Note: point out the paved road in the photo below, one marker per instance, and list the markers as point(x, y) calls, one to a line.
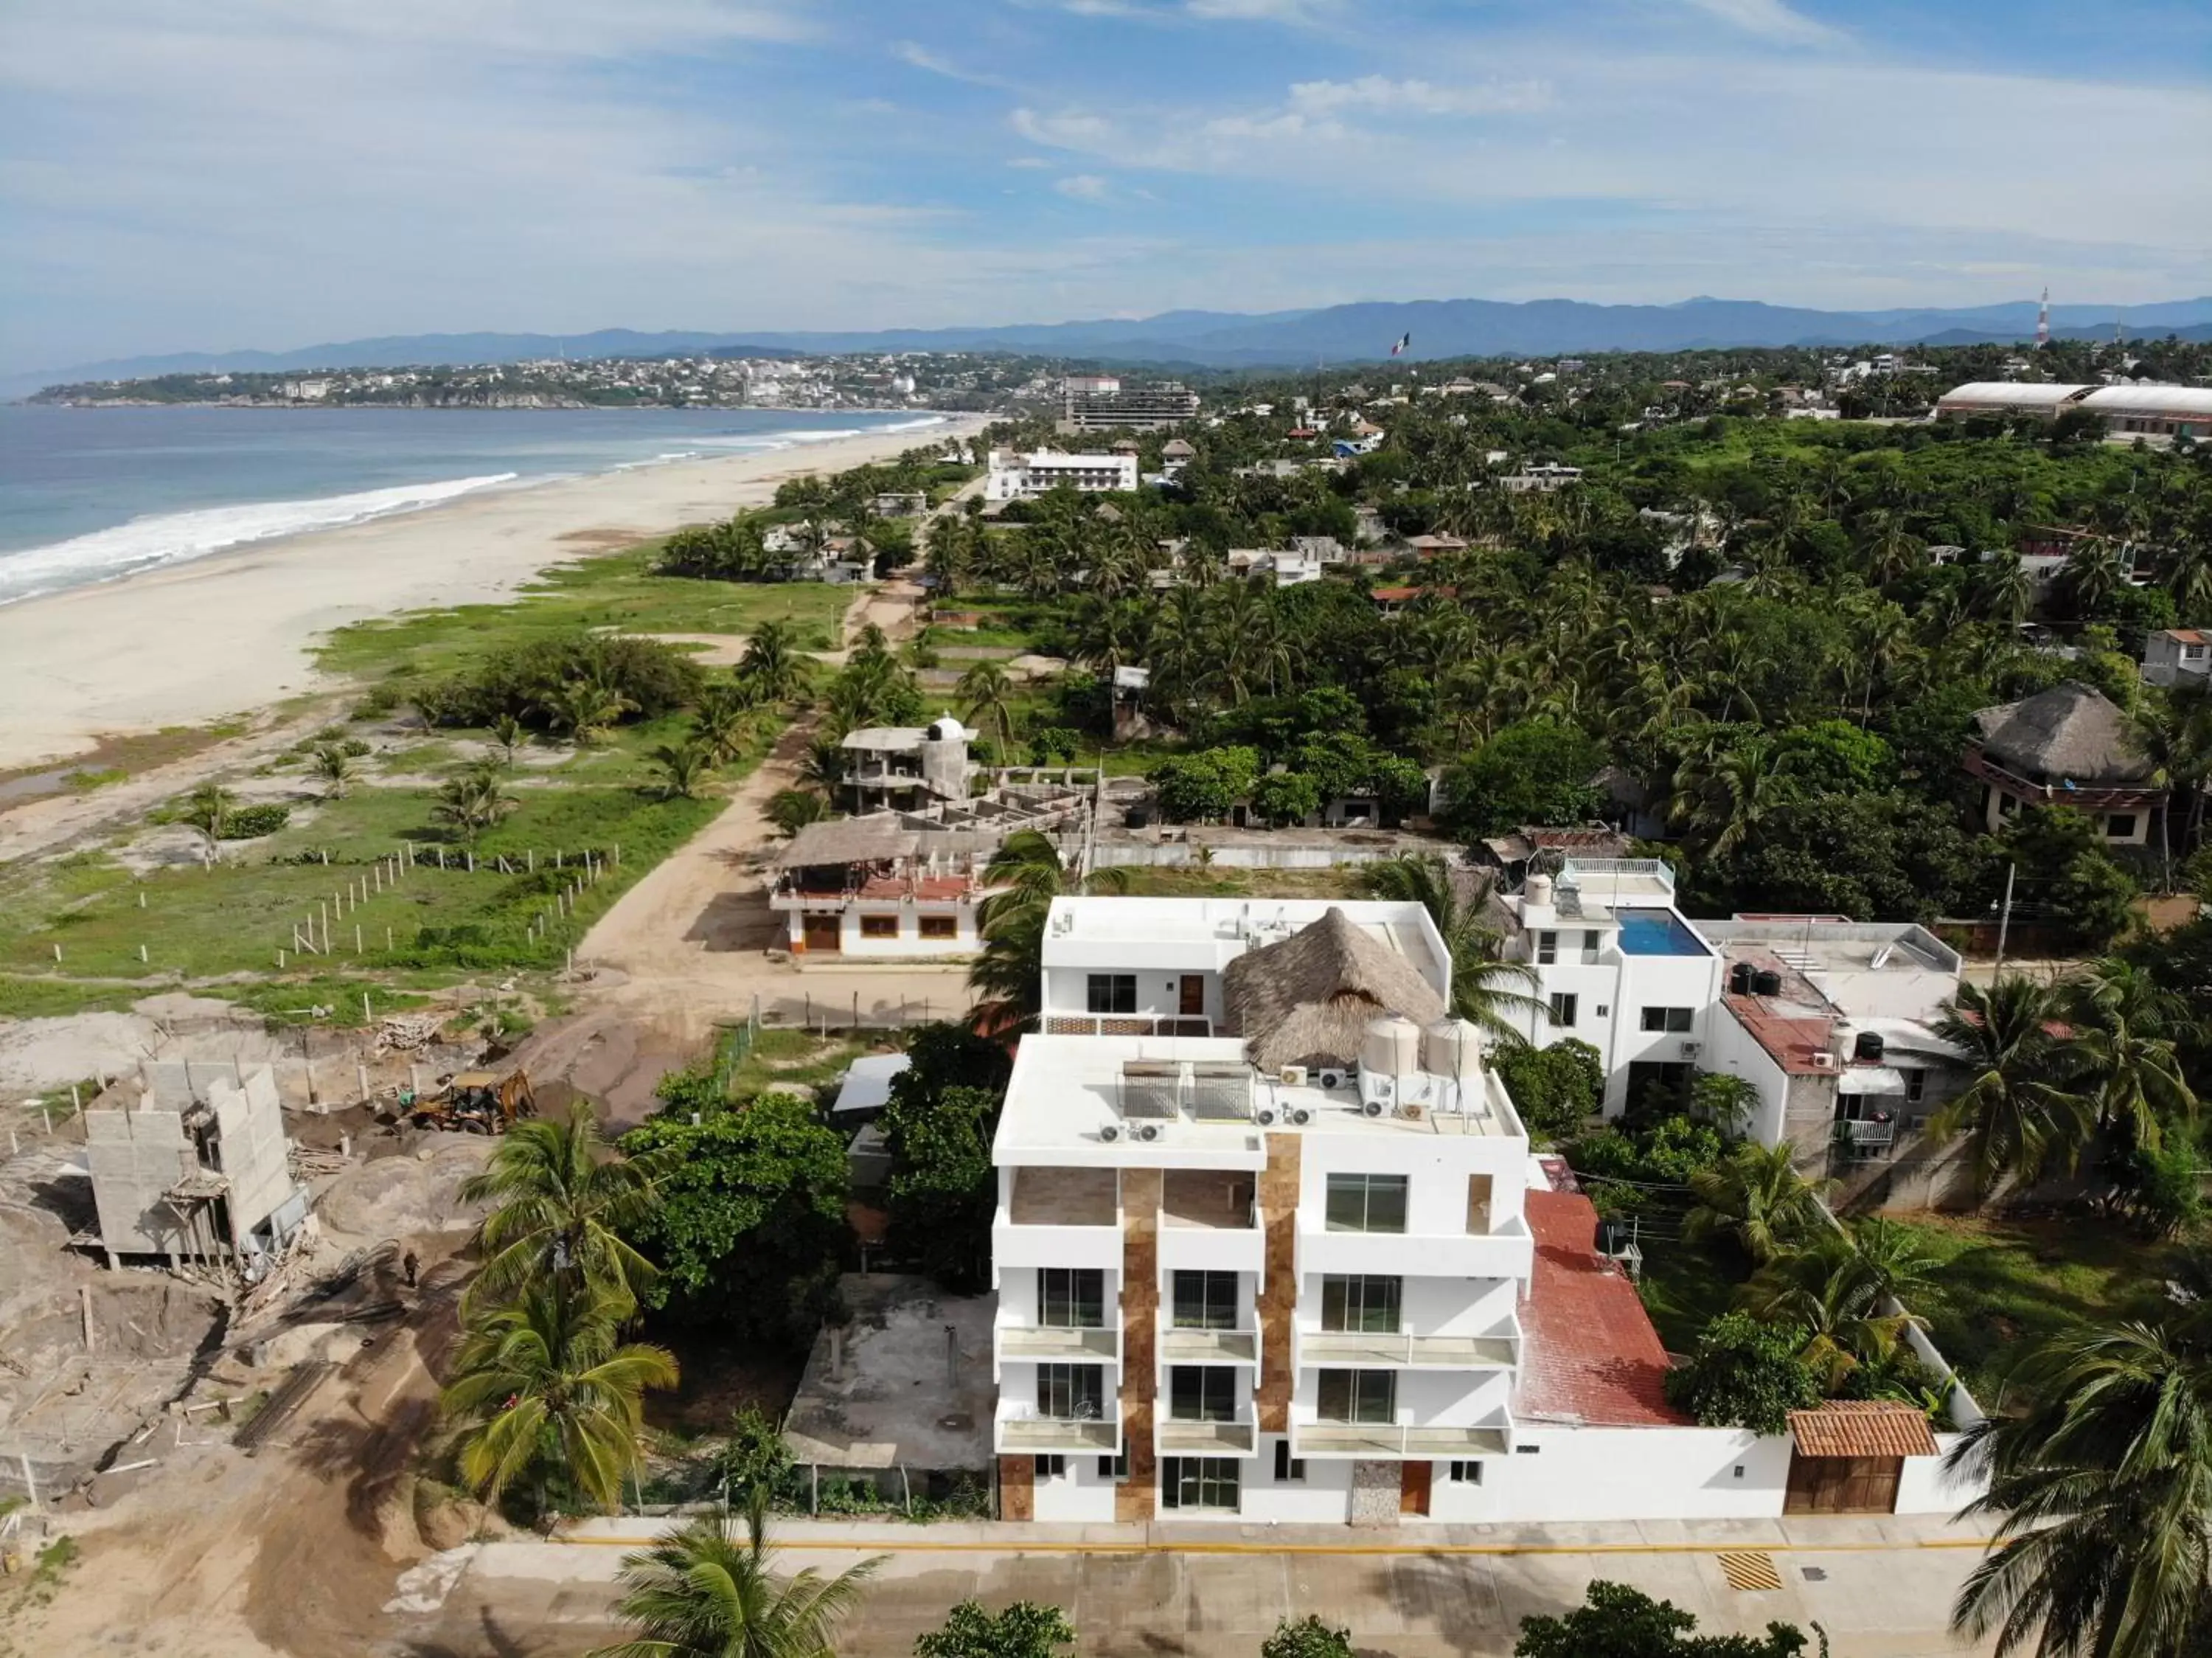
point(1881, 1587)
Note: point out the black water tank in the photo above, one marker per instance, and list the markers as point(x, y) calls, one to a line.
point(1740, 979)
point(1138, 817)
point(1867, 1048)
point(1766, 982)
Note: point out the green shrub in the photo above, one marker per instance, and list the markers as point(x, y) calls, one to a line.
point(251, 822)
point(1745, 1374)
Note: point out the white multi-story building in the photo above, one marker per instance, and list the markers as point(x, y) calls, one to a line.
point(1618, 968)
point(1022, 476)
point(1273, 1275)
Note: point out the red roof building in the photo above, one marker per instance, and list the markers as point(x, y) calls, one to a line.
point(1588, 1351)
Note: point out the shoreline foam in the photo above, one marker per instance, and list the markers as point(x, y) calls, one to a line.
point(202, 638)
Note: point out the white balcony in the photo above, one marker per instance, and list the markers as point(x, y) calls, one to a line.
point(1505, 1252)
point(1209, 1223)
point(1174, 1436)
point(1389, 1440)
point(1379, 1350)
point(1057, 1343)
point(1178, 1347)
point(1058, 1217)
point(1022, 1431)
point(1013, 1245)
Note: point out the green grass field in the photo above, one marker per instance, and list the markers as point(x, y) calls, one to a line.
point(617, 590)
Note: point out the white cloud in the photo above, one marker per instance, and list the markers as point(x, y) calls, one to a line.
point(921, 58)
point(1380, 93)
point(1083, 187)
point(1770, 19)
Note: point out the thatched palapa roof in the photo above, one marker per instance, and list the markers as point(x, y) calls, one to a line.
point(1308, 999)
point(878, 836)
point(2070, 732)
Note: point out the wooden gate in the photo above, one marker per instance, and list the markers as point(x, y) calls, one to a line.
point(1842, 1484)
point(1414, 1486)
point(824, 935)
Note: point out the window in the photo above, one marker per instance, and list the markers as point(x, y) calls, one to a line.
point(1915, 1084)
point(1466, 1473)
point(940, 926)
point(1591, 940)
point(1563, 1011)
point(1201, 1392)
point(1364, 1304)
point(2121, 826)
point(1366, 1202)
point(1198, 1482)
point(1288, 1469)
point(1115, 1468)
point(1359, 1396)
point(1547, 949)
point(1051, 1467)
point(878, 926)
point(1072, 1393)
point(1206, 1301)
point(1072, 1297)
point(1667, 1019)
point(1113, 993)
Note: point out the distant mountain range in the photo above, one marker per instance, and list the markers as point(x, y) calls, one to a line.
point(1335, 333)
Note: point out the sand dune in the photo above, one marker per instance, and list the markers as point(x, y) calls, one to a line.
point(219, 635)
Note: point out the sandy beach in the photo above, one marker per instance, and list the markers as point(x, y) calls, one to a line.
point(216, 636)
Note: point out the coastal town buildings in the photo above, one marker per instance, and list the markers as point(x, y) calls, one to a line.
point(2069, 746)
point(1271, 1247)
point(2132, 410)
point(1102, 403)
point(2177, 656)
point(1015, 477)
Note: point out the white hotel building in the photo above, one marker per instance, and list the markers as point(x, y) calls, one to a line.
point(1271, 1247)
point(1022, 476)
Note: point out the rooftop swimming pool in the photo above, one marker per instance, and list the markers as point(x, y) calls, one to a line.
point(1655, 932)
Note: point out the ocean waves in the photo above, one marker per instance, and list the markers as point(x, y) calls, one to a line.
point(162, 539)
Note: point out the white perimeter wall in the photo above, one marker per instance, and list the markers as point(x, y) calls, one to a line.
point(1631, 1474)
point(1733, 1051)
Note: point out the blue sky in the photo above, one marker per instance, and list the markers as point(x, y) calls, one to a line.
point(207, 174)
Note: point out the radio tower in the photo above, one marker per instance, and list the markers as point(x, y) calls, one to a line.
point(2043, 321)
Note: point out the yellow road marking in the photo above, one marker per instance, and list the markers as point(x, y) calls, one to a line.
point(1749, 1569)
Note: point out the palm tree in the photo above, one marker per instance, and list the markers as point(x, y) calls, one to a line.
point(772, 664)
point(986, 693)
point(473, 802)
point(2019, 1123)
point(1841, 1297)
point(722, 724)
point(335, 768)
point(1724, 799)
point(510, 734)
point(545, 1387)
point(589, 709)
point(1755, 1196)
point(209, 810)
point(703, 1591)
point(2103, 1495)
point(1025, 875)
point(563, 1198)
point(1487, 989)
point(683, 766)
point(2123, 1050)
point(791, 809)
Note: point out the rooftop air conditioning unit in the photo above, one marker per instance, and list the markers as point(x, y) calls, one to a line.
point(1294, 1077)
point(1265, 1117)
point(1411, 1112)
point(1148, 1131)
point(1300, 1116)
point(1331, 1077)
point(1823, 1059)
point(1372, 1108)
point(1111, 1132)
point(1692, 1050)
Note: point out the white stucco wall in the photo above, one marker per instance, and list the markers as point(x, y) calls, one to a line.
point(909, 941)
point(1733, 1051)
point(1634, 1473)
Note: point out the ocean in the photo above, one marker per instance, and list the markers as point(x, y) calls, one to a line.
point(91, 495)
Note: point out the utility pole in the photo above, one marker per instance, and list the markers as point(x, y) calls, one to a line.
point(2004, 924)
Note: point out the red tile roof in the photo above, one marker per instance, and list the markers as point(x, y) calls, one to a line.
point(1872, 1427)
point(1589, 1350)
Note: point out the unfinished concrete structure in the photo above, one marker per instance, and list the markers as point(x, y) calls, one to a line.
point(193, 1164)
